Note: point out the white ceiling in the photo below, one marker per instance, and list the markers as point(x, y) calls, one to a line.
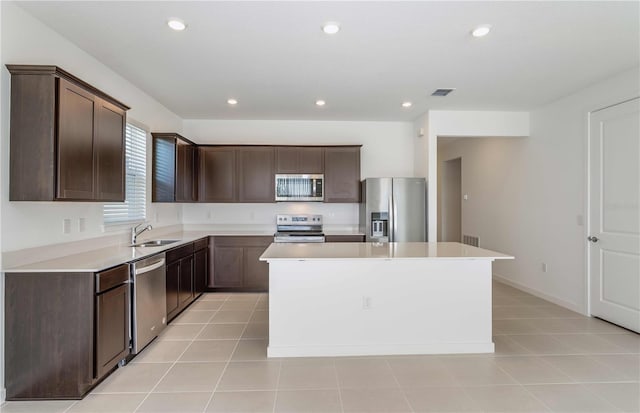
point(273, 57)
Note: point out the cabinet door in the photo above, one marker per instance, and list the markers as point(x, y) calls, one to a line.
point(342, 174)
point(110, 150)
point(173, 286)
point(163, 170)
point(217, 174)
point(227, 269)
point(185, 184)
point(256, 273)
point(76, 130)
point(287, 160)
point(256, 174)
point(200, 267)
point(310, 160)
point(112, 329)
point(186, 281)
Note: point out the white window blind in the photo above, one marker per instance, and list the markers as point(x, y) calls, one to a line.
point(133, 209)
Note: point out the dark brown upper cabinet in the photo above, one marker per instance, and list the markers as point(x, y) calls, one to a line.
point(217, 173)
point(299, 160)
point(174, 169)
point(256, 176)
point(67, 138)
point(236, 174)
point(342, 174)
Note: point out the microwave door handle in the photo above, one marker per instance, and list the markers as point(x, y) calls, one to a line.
point(314, 187)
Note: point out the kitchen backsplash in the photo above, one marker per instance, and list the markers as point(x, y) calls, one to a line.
point(334, 215)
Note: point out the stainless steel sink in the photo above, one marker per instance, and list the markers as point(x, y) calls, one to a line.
point(156, 243)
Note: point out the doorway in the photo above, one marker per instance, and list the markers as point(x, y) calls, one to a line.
point(450, 211)
point(614, 214)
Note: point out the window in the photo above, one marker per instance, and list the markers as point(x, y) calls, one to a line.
point(133, 209)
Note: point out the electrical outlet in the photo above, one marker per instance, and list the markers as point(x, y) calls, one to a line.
point(366, 303)
point(81, 224)
point(208, 214)
point(66, 226)
point(580, 220)
point(545, 267)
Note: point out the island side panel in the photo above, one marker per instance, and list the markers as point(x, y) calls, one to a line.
point(373, 307)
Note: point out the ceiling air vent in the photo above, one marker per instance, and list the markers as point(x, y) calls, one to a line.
point(442, 92)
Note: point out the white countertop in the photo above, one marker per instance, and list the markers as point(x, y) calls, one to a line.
point(374, 250)
point(107, 257)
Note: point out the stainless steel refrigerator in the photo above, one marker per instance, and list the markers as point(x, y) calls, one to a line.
point(394, 209)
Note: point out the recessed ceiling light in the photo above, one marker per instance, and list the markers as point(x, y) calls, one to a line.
point(176, 24)
point(481, 31)
point(232, 101)
point(331, 27)
point(320, 103)
point(407, 104)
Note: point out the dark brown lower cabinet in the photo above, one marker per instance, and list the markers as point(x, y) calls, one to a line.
point(234, 264)
point(186, 275)
point(227, 267)
point(112, 328)
point(344, 238)
point(185, 292)
point(63, 331)
point(200, 268)
point(173, 287)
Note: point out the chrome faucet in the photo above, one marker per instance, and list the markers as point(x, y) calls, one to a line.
point(135, 232)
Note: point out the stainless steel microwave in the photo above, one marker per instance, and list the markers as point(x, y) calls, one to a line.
point(299, 187)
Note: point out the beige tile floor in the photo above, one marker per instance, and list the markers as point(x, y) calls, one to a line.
point(213, 359)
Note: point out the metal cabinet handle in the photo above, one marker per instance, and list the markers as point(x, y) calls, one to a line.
point(592, 239)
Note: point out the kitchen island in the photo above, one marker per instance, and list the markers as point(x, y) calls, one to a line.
point(353, 299)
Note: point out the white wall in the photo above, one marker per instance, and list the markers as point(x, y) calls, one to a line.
point(458, 124)
point(528, 197)
point(387, 150)
point(26, 40)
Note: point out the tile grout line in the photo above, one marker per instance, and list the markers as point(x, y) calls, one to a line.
point(174, 363)
point(206, 406)
point(335, 371)
point(393, 374)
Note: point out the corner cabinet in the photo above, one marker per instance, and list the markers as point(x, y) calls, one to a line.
point(234, 264)
point(174, 170)
point(67, 138)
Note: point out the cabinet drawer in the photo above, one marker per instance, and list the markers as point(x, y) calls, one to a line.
point(201, 244)
point(180, 252)
point(247, 241)
point(344, 238)
point(110, 278)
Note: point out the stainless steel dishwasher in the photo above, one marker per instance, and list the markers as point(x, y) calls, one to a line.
point(149, 300)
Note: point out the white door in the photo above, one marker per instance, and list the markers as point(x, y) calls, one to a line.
point(614, 218)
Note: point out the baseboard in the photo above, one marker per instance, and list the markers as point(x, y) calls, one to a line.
point(379, 350)
point(563, 303)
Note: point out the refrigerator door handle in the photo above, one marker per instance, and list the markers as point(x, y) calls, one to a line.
point(395, 220)
point(390, 224)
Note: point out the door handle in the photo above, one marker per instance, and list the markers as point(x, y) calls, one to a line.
point(592, 239)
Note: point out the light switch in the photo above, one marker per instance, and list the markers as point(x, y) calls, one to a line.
point(81, 225)
point(465, 197)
